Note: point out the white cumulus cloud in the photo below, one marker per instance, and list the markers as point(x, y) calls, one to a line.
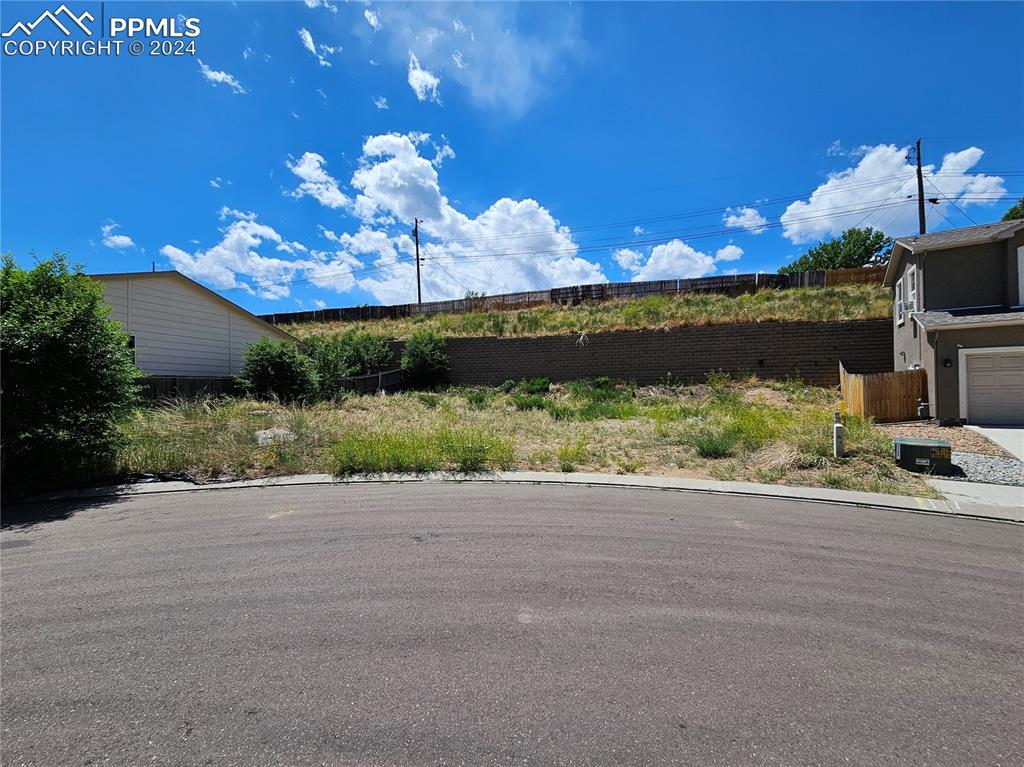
point(879, 191)
point(380, 102)
point(745, 218)
point(316, 182)
point(237, 263)
point(673, 260)
point(219, 77)
point(371, 18)
point(115, 241)
point(423, 83)
point(512, 245)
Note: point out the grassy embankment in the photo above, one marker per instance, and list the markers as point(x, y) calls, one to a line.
point(763, 432)
point(846, 302)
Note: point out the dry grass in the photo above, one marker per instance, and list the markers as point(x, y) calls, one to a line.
point(755, 431)
point(846, 302)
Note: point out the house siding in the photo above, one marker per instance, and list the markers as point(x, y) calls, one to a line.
point(179, 328)
point(944, 382)
point(908, 345)
point(963, 277)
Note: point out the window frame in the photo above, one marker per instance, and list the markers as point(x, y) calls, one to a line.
point(900, 314)
point(912, 288)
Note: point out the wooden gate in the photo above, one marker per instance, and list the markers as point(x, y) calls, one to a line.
point(886, 397)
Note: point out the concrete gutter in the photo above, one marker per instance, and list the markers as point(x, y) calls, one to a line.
point(1008, 513)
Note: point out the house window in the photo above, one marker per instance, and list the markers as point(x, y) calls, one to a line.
point(912, 289)
point(898, 308)
point(131, 345)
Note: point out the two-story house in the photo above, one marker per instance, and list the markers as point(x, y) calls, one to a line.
point(959, 314)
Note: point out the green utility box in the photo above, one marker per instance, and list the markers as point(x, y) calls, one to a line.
point(928, 455)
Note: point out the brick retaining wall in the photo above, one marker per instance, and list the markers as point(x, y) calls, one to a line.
point(808, 350)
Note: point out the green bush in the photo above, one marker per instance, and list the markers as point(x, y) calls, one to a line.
point(479, 399)
point(277, 370)
point(66, 374)
point(425, 360)
point(343, 355)
point(508, 386)
point(535, 386)
point(528, 401)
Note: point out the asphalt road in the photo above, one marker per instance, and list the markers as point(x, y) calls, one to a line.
point(486, 625)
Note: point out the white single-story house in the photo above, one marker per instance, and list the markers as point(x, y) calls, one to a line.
point(180, 328)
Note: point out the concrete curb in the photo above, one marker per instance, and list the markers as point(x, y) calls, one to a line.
point(912, 504)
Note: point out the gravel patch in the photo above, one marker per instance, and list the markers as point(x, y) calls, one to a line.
point(960, 439)
point(997, 470)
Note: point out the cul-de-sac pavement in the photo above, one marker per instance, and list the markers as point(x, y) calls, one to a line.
point(477, 623)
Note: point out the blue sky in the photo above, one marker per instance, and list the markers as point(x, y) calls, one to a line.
point(539, 144)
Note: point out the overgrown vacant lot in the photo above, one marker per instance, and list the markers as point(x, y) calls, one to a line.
point(846, 302)
point(764, 432)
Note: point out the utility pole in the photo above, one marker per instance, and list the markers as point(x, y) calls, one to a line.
point(920, 190)
point(416, 236)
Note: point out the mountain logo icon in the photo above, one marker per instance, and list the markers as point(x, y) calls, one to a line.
point(55, 17)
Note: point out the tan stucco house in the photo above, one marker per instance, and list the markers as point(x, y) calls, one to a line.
point(180, 328)
point(959, 313)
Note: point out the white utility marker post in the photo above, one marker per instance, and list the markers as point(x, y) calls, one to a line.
point(838, 436)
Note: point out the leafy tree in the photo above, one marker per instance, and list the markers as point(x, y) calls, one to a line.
point(1017, 211)
point(66, 376)
point(425, 359)
point(277, 370)
point(854, 247)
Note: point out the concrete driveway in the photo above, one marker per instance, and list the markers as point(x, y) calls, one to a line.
point(1009, 438)
point(497, 624)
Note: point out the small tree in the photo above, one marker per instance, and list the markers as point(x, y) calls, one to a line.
point(854, 247)
point(277, 370)
point(1017, 211)
point(66, 375)
point(425, 360)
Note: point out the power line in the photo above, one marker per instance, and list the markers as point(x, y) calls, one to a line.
point(951, 202)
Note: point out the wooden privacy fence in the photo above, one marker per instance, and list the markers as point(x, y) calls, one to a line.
point(886, 397)
point(728, 284)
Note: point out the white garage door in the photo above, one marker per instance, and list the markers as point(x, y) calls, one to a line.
point(995, 388)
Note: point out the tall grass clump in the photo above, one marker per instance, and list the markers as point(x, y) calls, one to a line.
point(384, 452)
point(463, 450)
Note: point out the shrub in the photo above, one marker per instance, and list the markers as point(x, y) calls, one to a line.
point(535, 386)
point(277, 370)
point(528, 401)
point(66, 373)
point(352, 353)
point(508, 386)
point(424, 360)
point(479, 399)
